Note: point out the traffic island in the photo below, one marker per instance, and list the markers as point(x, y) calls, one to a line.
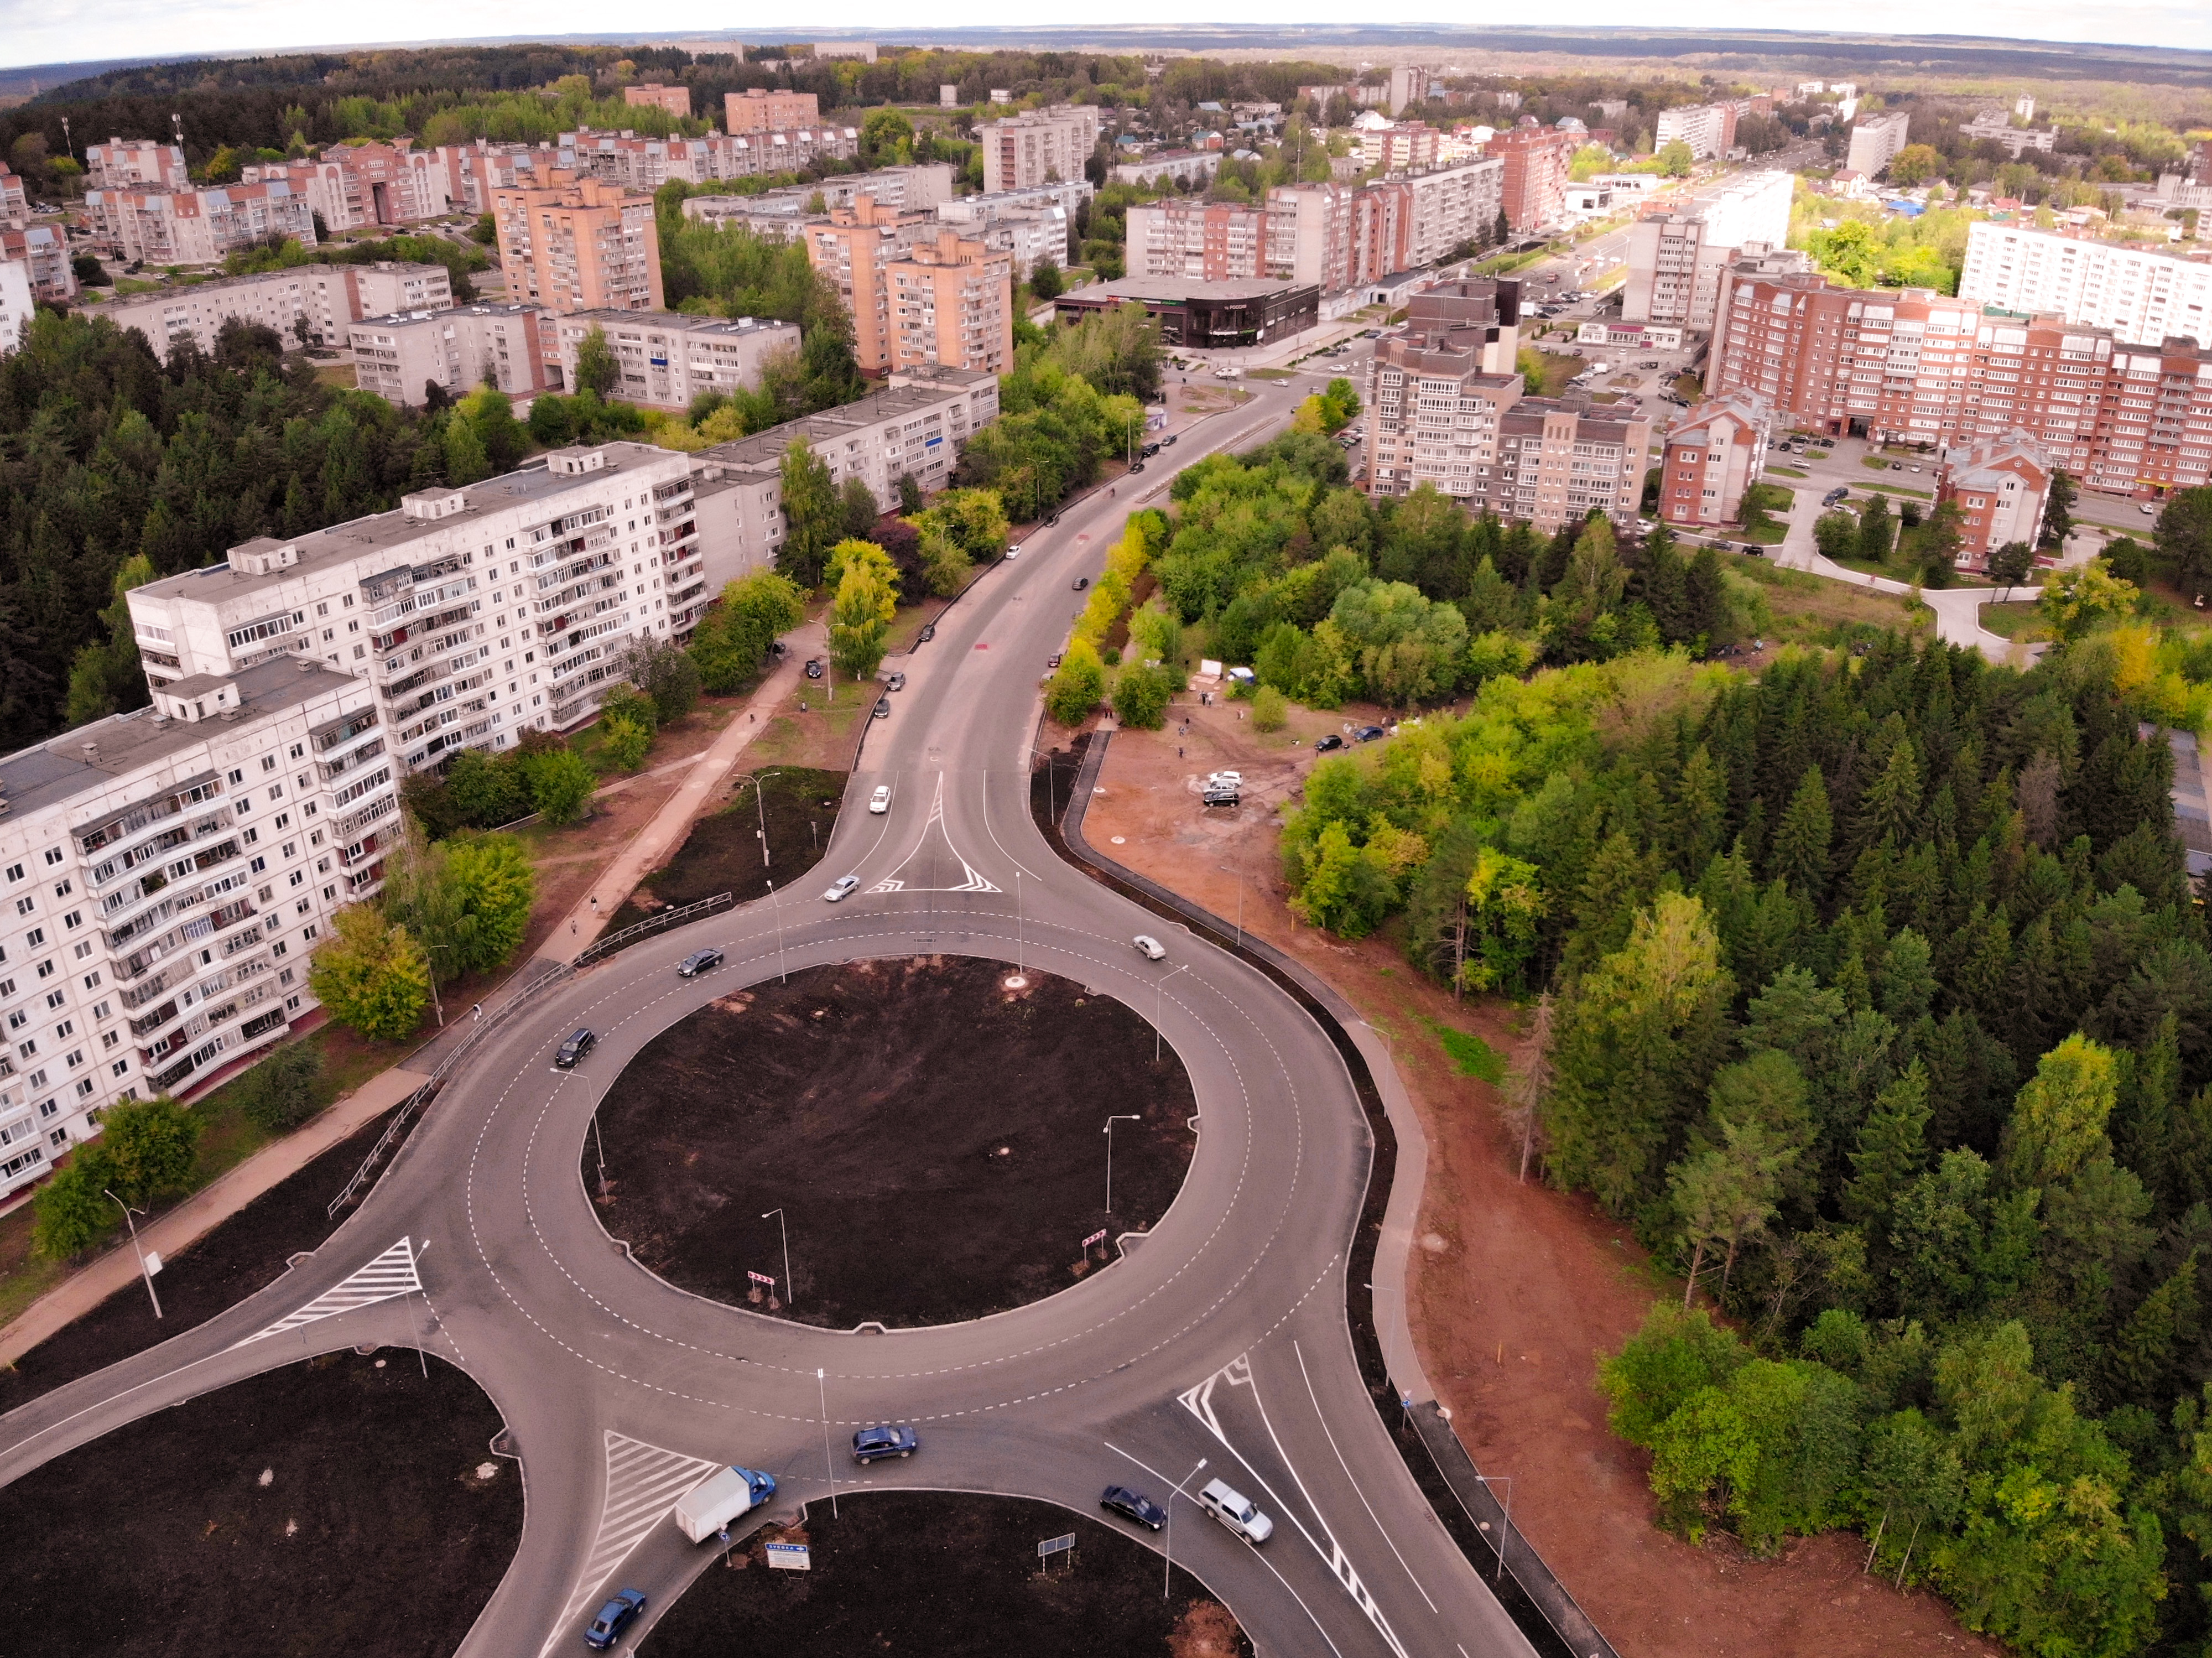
point(340, 1505)
point(946, 1572)
point(925, 1137)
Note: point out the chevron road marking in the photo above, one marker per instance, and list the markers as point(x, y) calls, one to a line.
point(391, 1274)
point(974, 882)
point(643, 1482)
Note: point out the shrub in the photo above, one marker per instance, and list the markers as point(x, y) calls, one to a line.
point(626, 741)
point(1268, 709)
point(1141, 697)
point(560, 784)
point(282, 1091)
point(1076, 686)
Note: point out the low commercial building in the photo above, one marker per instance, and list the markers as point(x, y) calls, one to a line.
point(400, 356)
point(666, 359)
point(195, 227)
point(1206, 316)
point(320, 302)
point(2001, 487)
point(170, 872)
point(1714, 454)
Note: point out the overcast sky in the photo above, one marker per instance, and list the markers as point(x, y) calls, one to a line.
point(68, 31)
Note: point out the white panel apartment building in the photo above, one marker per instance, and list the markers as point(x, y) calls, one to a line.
point(667, 358)
point(1876, 140)
point(329, 298)
point(166, 874)
point(1037, 148)
point(16, 304)
point(399, 357)
point(470, 613)
point(2144, 298)
point(1676, 260)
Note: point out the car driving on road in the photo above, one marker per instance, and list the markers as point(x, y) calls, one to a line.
point(699, 962)
point(839, 888)
point(614, 1618)
point(1135, 1504)
point(1081, 582)
point(880, 801)
point(1236, 1511)
point(871, 1444)
point(580, 1042)
point(1149, 947)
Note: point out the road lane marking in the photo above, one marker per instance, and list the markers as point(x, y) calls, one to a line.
point(391, 1274)
point(1321, 1417)
point(643, 1484)
point(935, 821)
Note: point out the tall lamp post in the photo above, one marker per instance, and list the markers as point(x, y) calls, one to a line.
point(1239, 874)
point(1120, 1116)
point(761, 807)
point(128, 1212)
point(783, 973)
point(1499, 1570)
point(1159, 991)
point(1167, 1576)
point(790, 1290)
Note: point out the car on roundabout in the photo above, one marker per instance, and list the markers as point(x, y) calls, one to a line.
point(581, 1041)
point(839, 888)
point(699, 962)
point(880, 801)
point(887, 1439)
point(614, 1618)
point(1150, 948)
point(1136, 1505)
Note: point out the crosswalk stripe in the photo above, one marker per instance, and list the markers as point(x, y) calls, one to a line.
point(643, 1482)
point(391, 1273)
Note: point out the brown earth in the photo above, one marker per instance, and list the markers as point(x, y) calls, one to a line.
point(1517, 1291)
point(933, 1138)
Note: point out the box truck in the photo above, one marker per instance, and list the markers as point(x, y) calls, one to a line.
point(709, 1506)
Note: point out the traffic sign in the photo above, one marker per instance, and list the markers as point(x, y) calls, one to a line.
point(1098, 1236)
point(1053, 1546)
point(789, 1557)
point(760, 1278)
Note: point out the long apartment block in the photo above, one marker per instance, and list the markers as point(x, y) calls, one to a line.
point(470, 614)
point(327, 299)
point(196, 227)
point(456, 348)
point(165, 874)
point(2144, 297)
point(666, 358)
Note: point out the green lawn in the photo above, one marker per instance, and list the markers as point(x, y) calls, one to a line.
point(1269, 374)
point(1797, 607)
point(2015, 619)
point(1786, 472)
point(1470, 1055)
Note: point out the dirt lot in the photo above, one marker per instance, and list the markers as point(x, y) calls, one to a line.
point(933, 1136)
point(933, 1573)
point(246, 1253)
point(343, 1505)
point(722, 853)
point(1516, 1290)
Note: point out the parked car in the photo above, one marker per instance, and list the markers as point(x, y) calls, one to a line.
point(896, 683)
point(871, 1444)
point(699, 962)
point(928, 632)
point(1751, 549)
point(814, 667)
point(1138, 467)
point(1236, 1511)
point(1150, 948)
point(581, 1041)
point(880, 801)
point(1224, 795)
point(839, 888)
point(1014, 552)
point(1233, 778)
point(2148, 508)
point(883, 707)
point(614, 1618)
point(1369, 733)
point(1081, 582)
point(1054, 661)
point(1135, 1504)
point(779, 650)
point(1149, 450)
point(1322, 745)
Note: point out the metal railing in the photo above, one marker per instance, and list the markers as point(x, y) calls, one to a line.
point(667, 918)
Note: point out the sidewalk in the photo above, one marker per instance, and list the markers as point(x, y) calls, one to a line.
point(206, 1208)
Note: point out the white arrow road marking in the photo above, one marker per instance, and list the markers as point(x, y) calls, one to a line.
point(643, 1482)
point(1199, 1401)
point(391, 1273)
point(935, 824)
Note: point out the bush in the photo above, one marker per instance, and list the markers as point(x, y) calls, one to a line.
point(1076, 686)
point(1268, 709)
point(284, 1090)
point(1141, 697)
point(625, 740)
point(560, 785)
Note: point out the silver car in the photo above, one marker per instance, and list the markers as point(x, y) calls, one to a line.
point(843, 884)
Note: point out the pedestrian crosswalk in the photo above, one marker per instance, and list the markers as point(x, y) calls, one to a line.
point(643, 1484)
point(391, 1273)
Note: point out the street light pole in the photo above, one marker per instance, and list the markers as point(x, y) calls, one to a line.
point(790, 1290)
point(1167, 1575)
point(761, 808)
point(1239, 874)
point(1021, 930)
point(1497, 1572)
point(783, 973)
point(828, 1462)
point(143, 1267)
point(1159, 992)
point(1119, 1116)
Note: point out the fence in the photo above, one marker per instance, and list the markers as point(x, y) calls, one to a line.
point(667, 918)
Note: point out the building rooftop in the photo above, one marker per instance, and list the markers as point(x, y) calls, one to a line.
point(1169, 290)
point(93, 755)
point(674, 322)
point(762, 452)
point(403, 318)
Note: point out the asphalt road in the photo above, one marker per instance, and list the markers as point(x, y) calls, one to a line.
point(1221, 1337)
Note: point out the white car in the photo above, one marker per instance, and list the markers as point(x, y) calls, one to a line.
point(843, 884)
point(1014, 552)
point(1150, 948)
point(880, 801)
point(1225, 777)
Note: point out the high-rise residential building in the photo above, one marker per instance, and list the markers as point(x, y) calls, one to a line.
point(758, 109)
point(1913, 366)
point(135, 164)
point(354, 186)
point(15, 200)
point(1675, 260)
point(1534, 190)
point(1201, 240)
point(1399, 146)
point(1876, 141)
point(952, 303)
point(17, 304)
point(400, 356)
point(470, 614)
point(665, 359)
point(196, 227)
point(578, 244)
point(171, 870)
point(853, 250)
point(1715, 453)
point(640, 162)
point(652, 94)
point(325, 300)
point(1046, 146)
point(1409, 84)
point(43, 251)
point(2144, 297)
point(2001, 486)
point(1026, 225)
point(1708, 129)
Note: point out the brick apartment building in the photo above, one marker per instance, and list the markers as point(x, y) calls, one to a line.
point(855, 249)
point(1714, 454)
point(14, 200)
point(758, 109)
point(399, 356)
point(578, 244)
point(1534, 190)
point(358, 186)
point(652, 94)
point(1046, 146)
point(2001, 487)
point(195, 227)
point(327, 299)
point(952, 303)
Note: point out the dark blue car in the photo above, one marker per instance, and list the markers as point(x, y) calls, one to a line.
point(870, 1443)
point(1135, 1504)
point(614, 1618)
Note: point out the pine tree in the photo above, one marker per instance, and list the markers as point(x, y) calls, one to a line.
point(1800, 851)
point(2139, 1363)
point(1891, 1153)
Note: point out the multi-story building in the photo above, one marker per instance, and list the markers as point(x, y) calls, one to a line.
point(638, 163)
point(1559, 459)
point(652, 94)
point(758, 109)
point(400, 356)
point(1312, 235)
point(916, 426)
point(1449, 207)
point(1399, 146)
point(1912, 366)
point(1203, 241)
point(17, 307)
point(2142, 296)
point(1026, 224)
point(43, 251)
point(1534, 190)
point(853, 249)
point(171, 870)
point(15, 200)
point(1714, 454)
point(1046, 146)
point(468, 615)
point(1676, 260)
point(784, 211)
point(354, 186)
point(951, 302)
point(1708, 129)
point(135, 164)
point(1409, 84)
point(2001, 486)
point(196, 227)
point(666, 358)
point(1876, 140)
point(1186, 167)
point(578, 244)
point(1996, 126)
point(322, 301)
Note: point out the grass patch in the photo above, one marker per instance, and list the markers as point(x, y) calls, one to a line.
point(2016, 619)
point(1690, 387)
point(338, 374)
point(1789, 606)
point(1470, 1055)
point(1788, 473)
point(1269, 374)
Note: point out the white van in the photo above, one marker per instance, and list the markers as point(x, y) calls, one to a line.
point(1236, 1512)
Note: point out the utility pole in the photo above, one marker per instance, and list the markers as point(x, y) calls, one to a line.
point(1159, 991)
point(127, 1212)
point(790, 1290)
point(1119, 1116)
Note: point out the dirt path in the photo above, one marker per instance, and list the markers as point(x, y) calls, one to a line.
point(1516, 1290)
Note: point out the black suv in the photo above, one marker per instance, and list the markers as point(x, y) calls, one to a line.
point(581, 1043)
